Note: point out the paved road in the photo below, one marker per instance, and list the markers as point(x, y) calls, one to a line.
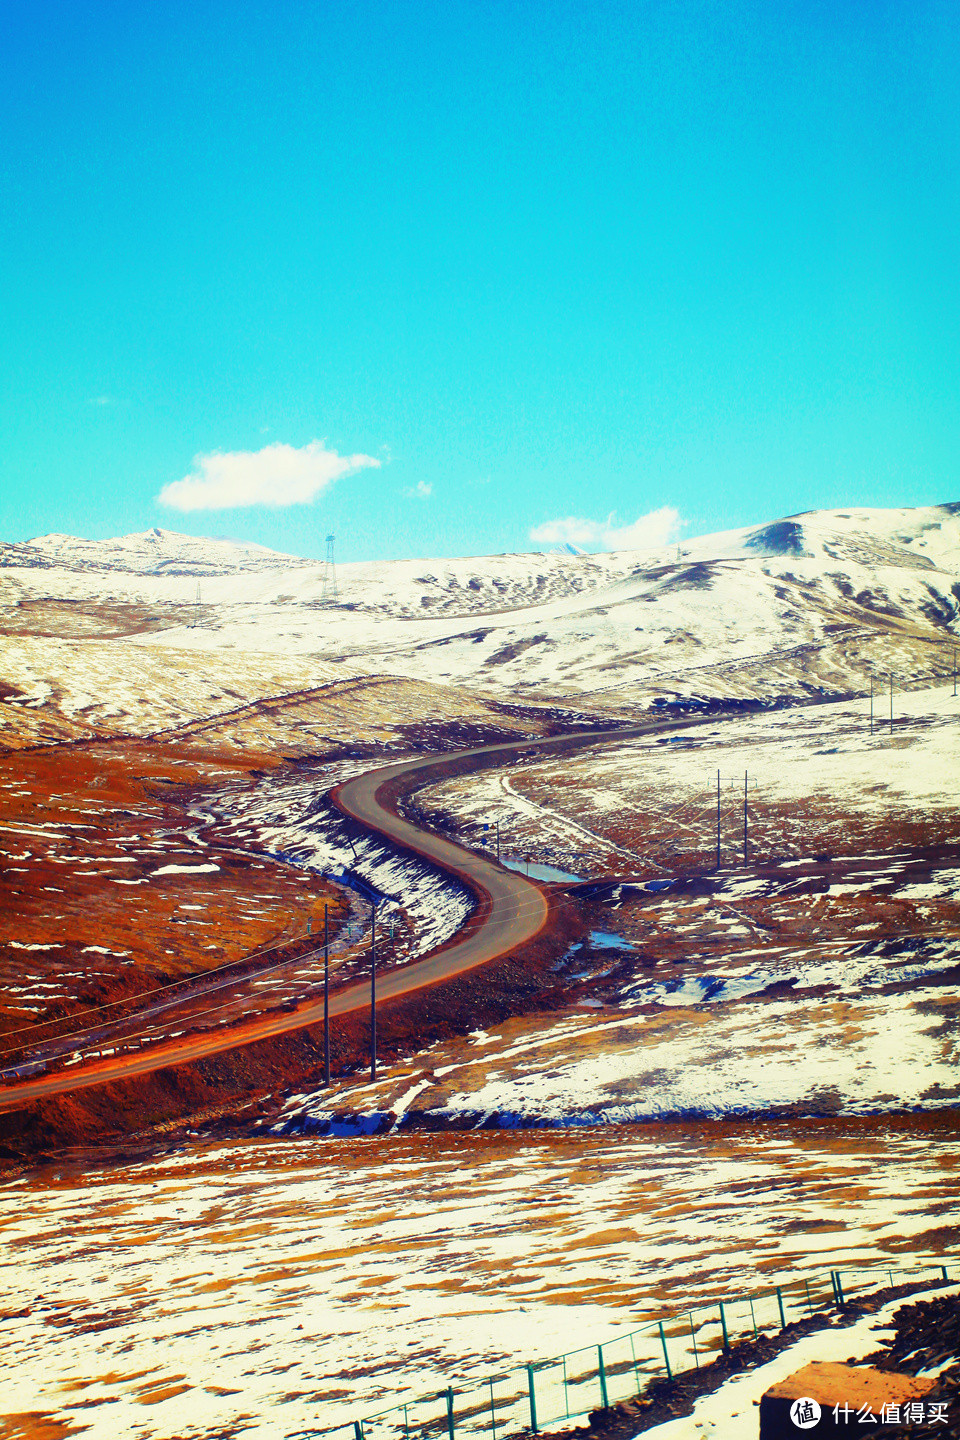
point(511, 911)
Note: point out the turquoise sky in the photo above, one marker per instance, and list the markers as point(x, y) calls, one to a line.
point(536, 261)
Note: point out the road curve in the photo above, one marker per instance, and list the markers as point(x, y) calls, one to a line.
point(511, 910)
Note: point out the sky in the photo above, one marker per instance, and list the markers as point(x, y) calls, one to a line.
point(464, 278)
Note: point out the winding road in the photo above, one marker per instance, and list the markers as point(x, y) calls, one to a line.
point(511, 911)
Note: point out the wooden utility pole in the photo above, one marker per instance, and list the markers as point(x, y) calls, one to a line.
point(891, 702)
point(744, 817)
point(954, 674)
point(326, 999)
point(871, 703)
point(373, 992)
point(718, 819)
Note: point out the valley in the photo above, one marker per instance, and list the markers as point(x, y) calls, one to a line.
point(729, 1050)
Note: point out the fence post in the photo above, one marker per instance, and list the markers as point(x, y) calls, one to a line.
point(636, 1368)
point(943, 1272)
point(840, 1297)
point(693, 1337)
point(448, 1396)
point(833, 1283)
point(723, 1326)
point(357, 1430)
point(532, 1395)
point(666, 1357)
point(604, 1397)
point(493, 1413)
point(783, 1318)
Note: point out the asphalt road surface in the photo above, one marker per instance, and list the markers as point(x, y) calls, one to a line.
point(511, 911)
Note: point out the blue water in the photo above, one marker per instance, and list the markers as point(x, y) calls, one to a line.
point(609, 940)
point(597, 940)
point(537, 871)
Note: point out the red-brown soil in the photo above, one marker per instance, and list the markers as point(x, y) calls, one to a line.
point(101, 821)
point(231, 1085)
point(84, 832)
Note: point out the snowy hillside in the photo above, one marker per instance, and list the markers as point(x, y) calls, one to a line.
point(807, 603)
point(151, 552)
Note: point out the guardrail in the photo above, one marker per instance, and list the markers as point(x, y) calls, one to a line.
point(545, 1393)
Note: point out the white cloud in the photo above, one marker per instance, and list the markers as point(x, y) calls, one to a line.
point(276, 475)
point(421, 491)
point(660, 527)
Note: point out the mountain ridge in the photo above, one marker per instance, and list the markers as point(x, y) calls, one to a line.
point(775, 537)
point(811, 604)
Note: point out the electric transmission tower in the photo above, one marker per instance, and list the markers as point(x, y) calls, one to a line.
point(329, 594)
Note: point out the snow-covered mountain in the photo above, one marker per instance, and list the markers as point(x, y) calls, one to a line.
point(917, 538)
point(150, 552)
point(810, 602)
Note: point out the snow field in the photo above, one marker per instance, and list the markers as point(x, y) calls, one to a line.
point(269, 1288)
point(141, 690)
point(715, 1056)
point(644, 801)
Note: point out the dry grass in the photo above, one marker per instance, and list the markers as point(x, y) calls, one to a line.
point(84, 832)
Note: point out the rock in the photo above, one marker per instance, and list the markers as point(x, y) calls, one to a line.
point(859, 1391)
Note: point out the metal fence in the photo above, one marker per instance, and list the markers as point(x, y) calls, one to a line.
point(547, 1393)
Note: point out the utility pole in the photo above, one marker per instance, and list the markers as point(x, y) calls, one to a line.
point(954, 674)
point(326, 999)
point(891, 702)
point(744, 817)
point(373, 991)
point(329, 593)
point(718, 819)
point(871, 702)
point(498, 829)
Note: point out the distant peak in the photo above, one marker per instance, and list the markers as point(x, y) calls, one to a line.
point(157, 551)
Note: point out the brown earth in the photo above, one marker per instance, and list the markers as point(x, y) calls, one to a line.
point(462, 1003)
point(134, 800)
point(84, 832)
point(239, 1080)
point(234, 1086)
point(92, 619)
